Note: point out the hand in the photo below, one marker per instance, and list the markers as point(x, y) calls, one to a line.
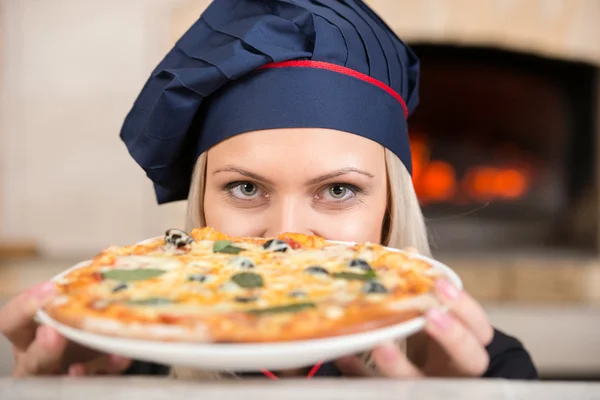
point(452, 344)
point(41, 350)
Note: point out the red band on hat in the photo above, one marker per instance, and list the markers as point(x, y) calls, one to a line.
point(341, 70)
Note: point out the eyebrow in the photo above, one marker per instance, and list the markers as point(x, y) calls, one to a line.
point(313, 181)
point(337, 173)
point(241, 171)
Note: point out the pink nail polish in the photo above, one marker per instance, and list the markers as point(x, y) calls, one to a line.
point(447, 290)
point(346, 362)
point(439, 319)
point(76, 370)
point(117, 361)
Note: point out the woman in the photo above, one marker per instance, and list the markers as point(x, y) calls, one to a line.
point(273, 116)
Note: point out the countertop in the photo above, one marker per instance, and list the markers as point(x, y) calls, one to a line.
point(316, 389)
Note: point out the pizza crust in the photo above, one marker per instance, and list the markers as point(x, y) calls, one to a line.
point(249, 329)
point(135, 330)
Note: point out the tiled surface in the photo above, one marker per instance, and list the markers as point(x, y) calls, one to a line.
point(319, 389)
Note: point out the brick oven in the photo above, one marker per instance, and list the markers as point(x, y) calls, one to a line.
point(505, 146)
point(503, 149)
point(504, 140)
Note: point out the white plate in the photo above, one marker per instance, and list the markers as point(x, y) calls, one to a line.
point(246, 357)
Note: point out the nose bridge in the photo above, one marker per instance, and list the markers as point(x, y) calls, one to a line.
point(290, 215)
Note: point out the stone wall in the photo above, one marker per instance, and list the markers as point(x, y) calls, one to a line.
point(565, 29)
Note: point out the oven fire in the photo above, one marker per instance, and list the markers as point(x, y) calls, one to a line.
point(439, 181)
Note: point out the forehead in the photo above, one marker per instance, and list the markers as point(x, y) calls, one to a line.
point(298, 149)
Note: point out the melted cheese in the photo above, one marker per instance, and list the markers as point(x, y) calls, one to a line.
point(213, 291)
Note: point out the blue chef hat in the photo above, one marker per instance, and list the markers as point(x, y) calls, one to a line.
point(249, 65)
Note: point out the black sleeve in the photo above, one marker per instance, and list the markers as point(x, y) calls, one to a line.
point(146, 368)
point(509, 359)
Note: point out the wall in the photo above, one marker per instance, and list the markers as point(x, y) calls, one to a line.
point(70, 73)
point(566, 29)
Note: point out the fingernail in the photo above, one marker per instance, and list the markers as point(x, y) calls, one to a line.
point(43, 291)
point(345, 360)
point(118, 361)
point(439, 319)
point(347, 363)
point(388, 352)
point(447, 290)
point(76, 370)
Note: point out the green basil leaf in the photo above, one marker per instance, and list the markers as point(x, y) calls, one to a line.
point(225, 246)
point(283, 309)
point(231, 250)
point(126, 275)
point(351, 276)
point(220, 245)
point(248, 280)
point(151, 301)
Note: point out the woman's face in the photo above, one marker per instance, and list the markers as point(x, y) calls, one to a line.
point(315, 181)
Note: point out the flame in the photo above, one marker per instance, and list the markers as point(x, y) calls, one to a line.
point(436, 181)
point(439, 181)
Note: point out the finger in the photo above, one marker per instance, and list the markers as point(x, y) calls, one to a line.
point(103, 365)
point(45, 354)
point(459, 342)
point(16, 317)
point(465, 308)
point(352, 366)
point(80, 354)
point(393, 363)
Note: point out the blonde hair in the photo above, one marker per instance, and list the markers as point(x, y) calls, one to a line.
point(404, 225)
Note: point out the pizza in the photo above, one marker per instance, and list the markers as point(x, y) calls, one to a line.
point(205, 286)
